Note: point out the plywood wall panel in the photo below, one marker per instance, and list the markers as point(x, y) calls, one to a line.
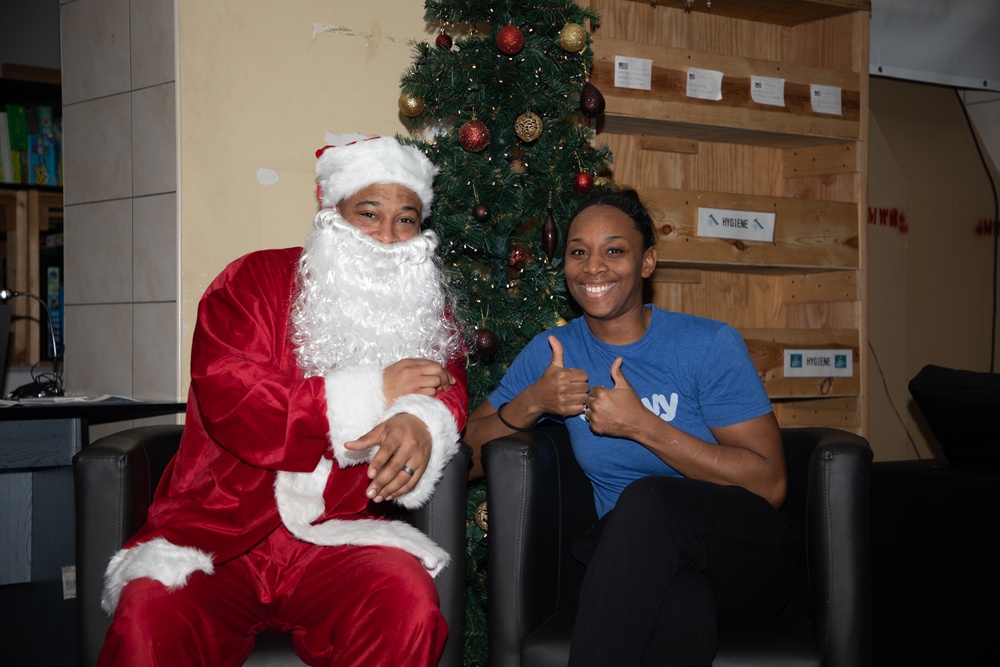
point(804, 289)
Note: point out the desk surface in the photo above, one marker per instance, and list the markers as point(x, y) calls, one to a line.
point(95, 412)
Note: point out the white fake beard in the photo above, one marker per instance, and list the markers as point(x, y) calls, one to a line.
point(361, 301)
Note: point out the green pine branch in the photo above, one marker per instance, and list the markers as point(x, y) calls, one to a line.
point(499, 268)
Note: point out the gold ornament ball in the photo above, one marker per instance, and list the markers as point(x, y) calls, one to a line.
point(481, 517)
point(572, 37)
point(528, 126)
point(410, 106)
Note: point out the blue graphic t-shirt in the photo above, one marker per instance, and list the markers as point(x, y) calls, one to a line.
point(691, 371)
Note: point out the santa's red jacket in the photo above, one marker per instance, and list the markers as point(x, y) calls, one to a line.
point(251, 414)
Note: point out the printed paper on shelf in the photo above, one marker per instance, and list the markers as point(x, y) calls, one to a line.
point(722, 223)
point(634, 73)
point(825, 99)
point(767, 90)
point(704, 84)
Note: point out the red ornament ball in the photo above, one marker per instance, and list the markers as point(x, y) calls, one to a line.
point(443, 41)
point(481, 212)
point(510, 40)
point(474, 136)
point(485, 343)
point(584, 182)
point(518, 257)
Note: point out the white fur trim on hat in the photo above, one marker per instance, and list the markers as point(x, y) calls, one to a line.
point(157, 559)
point(344, 170)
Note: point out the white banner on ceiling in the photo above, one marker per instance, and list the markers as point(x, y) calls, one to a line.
point(949, 42)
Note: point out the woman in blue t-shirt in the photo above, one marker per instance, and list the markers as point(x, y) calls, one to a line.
point(669, 419)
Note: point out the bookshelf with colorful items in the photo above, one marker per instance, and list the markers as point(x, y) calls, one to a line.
point(30, 125)
point(31, 205)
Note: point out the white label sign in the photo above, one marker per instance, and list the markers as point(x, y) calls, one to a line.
point(722, 223)
point(633, 73)
point(705, 84)
point(767, 90)
point(825, 99)
point(819, 363)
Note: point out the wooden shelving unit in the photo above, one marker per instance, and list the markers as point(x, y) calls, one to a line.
point(806, 288)
point(27, 212)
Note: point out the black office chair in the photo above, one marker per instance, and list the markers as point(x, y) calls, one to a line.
point(115, 478)
point(539, 501)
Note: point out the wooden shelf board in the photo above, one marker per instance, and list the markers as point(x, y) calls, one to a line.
point(778, 12)
point(666, 109)
point(737, 267)
point(767, 346)
point(736, 134)
point(836, 411)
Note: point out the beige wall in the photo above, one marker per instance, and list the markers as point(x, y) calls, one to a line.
point(929, 285)
point(120, 199)
point(190, 131)
point(260, 85)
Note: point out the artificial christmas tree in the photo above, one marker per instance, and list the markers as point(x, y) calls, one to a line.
point(501, 115)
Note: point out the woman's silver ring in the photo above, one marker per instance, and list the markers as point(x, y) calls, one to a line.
point(408, 470)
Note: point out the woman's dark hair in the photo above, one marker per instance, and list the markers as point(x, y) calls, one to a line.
point(628, 202)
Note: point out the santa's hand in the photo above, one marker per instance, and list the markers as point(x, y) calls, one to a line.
point(616, 411)
point(414, 376)
point(404, 448)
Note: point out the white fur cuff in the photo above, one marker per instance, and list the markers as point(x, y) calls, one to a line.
point(355, 401)
point(157, 559)
point(444, 443)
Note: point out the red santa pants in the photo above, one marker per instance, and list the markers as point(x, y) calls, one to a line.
point(363, 606)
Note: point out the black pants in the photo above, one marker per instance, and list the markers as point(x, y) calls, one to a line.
point(671, 562)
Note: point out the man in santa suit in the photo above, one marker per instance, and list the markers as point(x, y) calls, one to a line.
point(327, 384)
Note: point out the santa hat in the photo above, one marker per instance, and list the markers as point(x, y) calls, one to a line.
point(344, 170)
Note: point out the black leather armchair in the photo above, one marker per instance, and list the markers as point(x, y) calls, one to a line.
point(115, 478)
point(540, 501)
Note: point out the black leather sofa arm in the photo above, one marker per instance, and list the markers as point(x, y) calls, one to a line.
point(547, 502)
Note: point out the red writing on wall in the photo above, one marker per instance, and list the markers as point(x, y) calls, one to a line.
point(984, 227)
point(888, 217)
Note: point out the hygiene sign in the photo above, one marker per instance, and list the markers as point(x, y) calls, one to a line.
point(744, 225)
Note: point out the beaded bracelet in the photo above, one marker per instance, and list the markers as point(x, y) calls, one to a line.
point(508, 424)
